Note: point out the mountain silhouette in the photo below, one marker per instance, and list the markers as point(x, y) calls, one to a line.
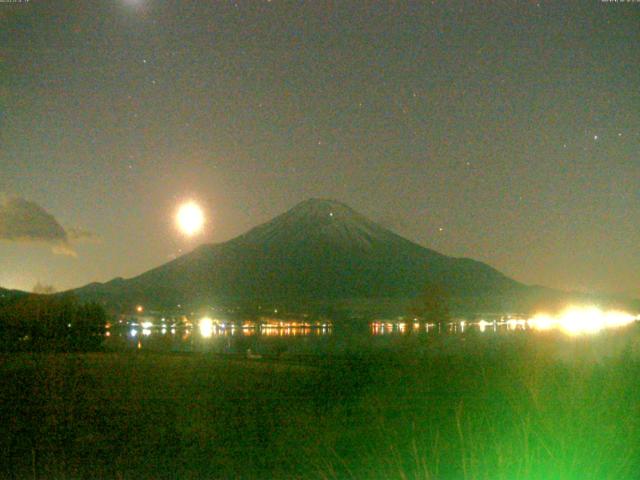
point(319, 251)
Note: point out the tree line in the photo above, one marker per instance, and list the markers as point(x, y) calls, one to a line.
point(51, 322)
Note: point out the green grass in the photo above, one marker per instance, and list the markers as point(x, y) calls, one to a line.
point(513, 407)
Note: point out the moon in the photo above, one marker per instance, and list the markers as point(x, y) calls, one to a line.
point(190, 218)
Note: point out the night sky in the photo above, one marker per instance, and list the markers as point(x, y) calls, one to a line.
point(508, 132)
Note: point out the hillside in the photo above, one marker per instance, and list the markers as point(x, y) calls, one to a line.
point(320, 252)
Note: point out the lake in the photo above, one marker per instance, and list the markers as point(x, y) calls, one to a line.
point(295, 339)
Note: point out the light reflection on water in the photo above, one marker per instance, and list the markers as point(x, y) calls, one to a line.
point(300, 338)
point(208, 336)
point(573, 321)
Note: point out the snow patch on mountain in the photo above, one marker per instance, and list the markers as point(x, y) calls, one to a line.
point(322, 220)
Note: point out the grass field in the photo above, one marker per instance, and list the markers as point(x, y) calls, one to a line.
point(525, 407)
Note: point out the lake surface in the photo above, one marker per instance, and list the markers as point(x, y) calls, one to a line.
point(291, 339)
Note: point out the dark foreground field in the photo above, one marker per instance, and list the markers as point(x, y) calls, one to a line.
point(525, 407)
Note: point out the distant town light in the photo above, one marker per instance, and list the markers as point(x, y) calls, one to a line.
point(575, 321)
point(582, 320)
point(541, 322)
point(206, 327)
point(139, 309)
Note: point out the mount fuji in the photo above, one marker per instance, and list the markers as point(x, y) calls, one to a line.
point(320, 251)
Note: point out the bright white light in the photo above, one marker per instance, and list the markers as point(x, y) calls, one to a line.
point(206, 327)
point(541, 322)
point(147, 324)
point(616, 318)
point(582, 320)
point(133, 332)
point(579, 320)
point(190, 218)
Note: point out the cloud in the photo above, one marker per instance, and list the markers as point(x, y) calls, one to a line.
point(21, 219)
point(24, 221)
point(80, 234)
point(63, 249)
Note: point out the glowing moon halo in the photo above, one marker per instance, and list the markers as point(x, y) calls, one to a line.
point(190, 218)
